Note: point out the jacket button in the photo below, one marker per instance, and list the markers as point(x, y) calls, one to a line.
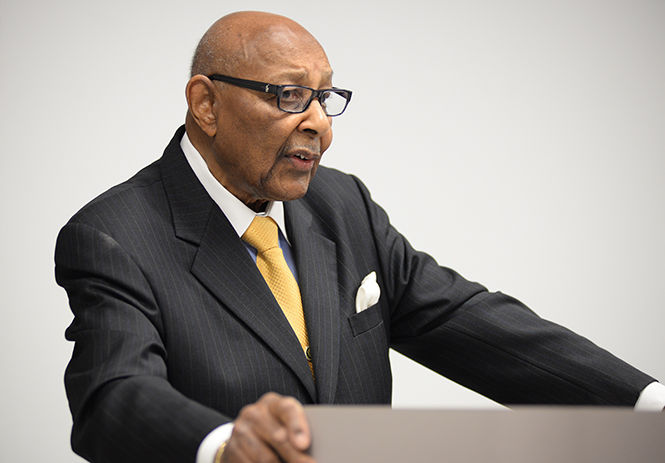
point(308, 353)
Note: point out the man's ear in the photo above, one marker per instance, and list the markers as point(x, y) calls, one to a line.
point(200, 94)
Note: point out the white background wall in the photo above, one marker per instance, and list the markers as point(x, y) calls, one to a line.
point(519, 142)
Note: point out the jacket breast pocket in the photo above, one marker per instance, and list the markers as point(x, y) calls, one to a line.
point(365, 320)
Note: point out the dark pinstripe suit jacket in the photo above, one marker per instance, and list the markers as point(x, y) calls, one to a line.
point(175, 330)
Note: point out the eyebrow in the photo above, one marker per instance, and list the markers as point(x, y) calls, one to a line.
point(300, 75)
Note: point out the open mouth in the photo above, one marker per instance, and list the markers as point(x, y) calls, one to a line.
point(302, 159)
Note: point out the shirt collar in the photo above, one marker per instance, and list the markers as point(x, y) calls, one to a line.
point(235, 210)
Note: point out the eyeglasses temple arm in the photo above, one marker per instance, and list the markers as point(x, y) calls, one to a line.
point(250, 84)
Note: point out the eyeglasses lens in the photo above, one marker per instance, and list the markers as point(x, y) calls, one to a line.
point(294, 99)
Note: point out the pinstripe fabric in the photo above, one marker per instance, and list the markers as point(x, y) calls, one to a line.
point(175, 329)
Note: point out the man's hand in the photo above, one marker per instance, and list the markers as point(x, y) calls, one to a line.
point(273, 429)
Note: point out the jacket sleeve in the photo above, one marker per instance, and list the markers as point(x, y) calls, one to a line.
point(489, 342)
point(123, 407)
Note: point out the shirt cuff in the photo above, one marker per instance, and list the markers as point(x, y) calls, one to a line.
point(652, 398)
point(211, 443)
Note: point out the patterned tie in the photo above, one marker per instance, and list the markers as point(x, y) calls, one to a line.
point(262, 235)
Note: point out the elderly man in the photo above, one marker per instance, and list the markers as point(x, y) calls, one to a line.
point(225, 284)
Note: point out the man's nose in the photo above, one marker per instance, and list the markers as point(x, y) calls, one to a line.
point(315, 122)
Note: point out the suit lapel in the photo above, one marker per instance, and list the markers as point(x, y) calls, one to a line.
point(316, 261)
point(223, 265)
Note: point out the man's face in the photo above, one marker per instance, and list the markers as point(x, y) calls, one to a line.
point(258, 149)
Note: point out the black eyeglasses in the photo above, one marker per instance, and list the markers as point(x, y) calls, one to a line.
point(295, 98)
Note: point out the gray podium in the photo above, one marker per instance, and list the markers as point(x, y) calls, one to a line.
point(525, 434)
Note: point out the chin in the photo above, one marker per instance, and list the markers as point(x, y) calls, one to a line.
point(296, 191)
point(291, 195)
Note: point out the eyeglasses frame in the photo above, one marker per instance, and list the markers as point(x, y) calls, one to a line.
point(278, 89)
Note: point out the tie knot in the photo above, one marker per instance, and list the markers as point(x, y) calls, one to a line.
point(262, 234)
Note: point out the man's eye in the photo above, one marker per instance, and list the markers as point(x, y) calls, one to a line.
point(292, 94)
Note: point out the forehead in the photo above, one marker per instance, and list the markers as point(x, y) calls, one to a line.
point(282, 53)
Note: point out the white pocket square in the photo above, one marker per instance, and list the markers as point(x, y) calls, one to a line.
point(368, 294)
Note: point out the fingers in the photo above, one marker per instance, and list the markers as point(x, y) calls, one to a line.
point(291, 415)
point(273, 429)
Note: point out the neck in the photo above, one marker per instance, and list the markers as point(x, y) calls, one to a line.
point(257, 206)
point(202, 144)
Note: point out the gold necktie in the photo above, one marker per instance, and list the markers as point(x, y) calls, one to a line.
point(262, 235)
